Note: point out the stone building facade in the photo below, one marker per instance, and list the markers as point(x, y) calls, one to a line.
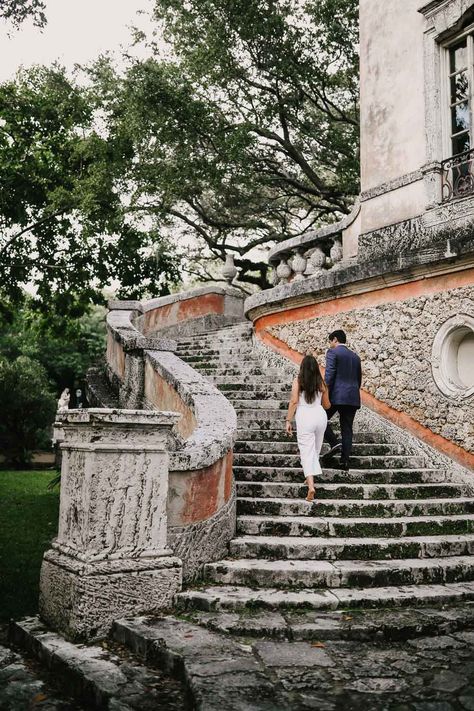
point(398, 273)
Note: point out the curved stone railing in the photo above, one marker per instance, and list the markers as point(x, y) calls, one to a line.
point(143, 368)
point(316, 252)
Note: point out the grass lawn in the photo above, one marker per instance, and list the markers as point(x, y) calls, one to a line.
point(28, 521)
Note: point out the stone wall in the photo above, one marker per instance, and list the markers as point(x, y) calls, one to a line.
point(395, 343)
point(201, 495)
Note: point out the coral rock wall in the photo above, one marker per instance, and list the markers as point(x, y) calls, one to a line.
point(395, 343)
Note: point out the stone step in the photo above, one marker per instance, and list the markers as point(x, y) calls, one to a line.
point(338, 527)
point(220, 673)
point(353, 476)
point(353, 508)
point(243, 329)
point(245, 379)
point(352, 491)
point(397, 625)
point(290, 461)
point(205, 360)
point(262, 447)
point(261, 413)
point(278, 434)
point(248, 391)
point(340, 573)
point(99, 676)
point(319, 548)
point(264, 404)
point(241, 369)
point(225, 355)
point(240, 598)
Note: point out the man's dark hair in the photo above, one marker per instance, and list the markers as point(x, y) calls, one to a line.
point(340, 335)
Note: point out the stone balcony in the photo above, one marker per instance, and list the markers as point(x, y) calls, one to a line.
point(311, 254)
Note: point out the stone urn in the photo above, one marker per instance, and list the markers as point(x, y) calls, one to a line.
point(283, 271)
point(336, 252)
point(229, 270)
point(316, 261)
point(298, 264)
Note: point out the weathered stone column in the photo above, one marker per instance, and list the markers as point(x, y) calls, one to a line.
point(110, 557)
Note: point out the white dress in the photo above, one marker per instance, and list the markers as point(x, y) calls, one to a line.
point(311, 421)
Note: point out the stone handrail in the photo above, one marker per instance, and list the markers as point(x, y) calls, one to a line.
point(313, 253)
point(143, 368)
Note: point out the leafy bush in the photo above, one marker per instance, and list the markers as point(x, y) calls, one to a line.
point(27, 409)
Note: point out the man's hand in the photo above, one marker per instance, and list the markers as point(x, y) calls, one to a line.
point(289, 428)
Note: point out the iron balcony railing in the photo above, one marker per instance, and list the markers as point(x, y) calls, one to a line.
point(457, 176)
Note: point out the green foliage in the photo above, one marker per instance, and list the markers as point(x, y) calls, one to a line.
point(249, 134)
point(28, 522)
point(16, 11)
point(28, 408)
point(65, 347)
point(64, 228)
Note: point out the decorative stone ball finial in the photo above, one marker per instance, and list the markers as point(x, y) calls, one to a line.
point(229, 270)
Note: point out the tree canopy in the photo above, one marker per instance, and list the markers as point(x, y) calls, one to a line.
point(240, 132)
point(64, 229)
point(247, 133)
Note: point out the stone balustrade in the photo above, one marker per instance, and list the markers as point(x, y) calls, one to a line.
point(146, 373)
point(314, 253)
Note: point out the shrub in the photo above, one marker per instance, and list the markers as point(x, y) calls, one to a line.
point(27, 409)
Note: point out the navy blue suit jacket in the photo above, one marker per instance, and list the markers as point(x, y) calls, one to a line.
point(343, 376)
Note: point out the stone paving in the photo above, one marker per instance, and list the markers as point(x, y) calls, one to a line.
point(342, 661)
point(394, 660)
point(22, 686)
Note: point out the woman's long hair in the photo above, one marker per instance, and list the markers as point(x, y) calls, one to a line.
point(310, 380)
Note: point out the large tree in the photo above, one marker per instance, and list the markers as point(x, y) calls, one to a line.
point(248, 133)
point(64, 227)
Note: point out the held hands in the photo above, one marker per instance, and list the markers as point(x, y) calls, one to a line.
point(289, 428)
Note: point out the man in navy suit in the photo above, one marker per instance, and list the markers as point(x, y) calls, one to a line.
point(343, 378)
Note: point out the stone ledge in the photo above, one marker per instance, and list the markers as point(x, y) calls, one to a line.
point(96, 675)
point(137, 418)
point(152, 304)
point(123, 331)
point(216, 419)
point(356, 279)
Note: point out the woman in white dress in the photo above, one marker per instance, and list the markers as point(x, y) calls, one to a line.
point(308, 404)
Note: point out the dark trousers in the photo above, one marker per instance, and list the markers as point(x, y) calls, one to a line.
point(346, 418)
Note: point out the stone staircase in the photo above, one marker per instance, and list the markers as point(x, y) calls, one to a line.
point(392, 530)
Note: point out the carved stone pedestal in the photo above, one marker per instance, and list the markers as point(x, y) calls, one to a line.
point(110, 558)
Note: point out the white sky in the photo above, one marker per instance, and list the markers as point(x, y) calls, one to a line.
point(77, 31)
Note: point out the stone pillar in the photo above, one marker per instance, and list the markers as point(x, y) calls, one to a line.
point(111, 557)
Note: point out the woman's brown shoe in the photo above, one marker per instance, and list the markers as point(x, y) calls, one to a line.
point(310, 496)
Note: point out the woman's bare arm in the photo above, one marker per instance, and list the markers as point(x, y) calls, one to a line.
point(293, 404)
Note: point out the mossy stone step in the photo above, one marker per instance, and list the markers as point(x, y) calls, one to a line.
point(353, 508)
point(337, 476)
point(340, 573)
point(353, 491)
point(241, 597)
point(320, 548)
point(358, 448)
point(339, 527)
point(357, 461)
